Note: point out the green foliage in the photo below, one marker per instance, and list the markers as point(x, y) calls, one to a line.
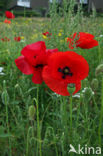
point(56, 121)
point(4, 4)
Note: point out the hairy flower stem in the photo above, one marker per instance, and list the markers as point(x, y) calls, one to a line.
point(64, 119)
point(7, 123)
point(99, 51)
point(71, 119)
point(27, 142)
point(101, 116)
point(38, 125)
point(7, 116)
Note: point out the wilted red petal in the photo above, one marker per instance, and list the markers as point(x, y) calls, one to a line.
point(24, 66)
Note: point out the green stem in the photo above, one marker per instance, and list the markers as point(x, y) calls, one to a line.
point(38, 125)
point(71, 119)
point(7, 123)
point(27, 142)
point(101, 115)
point(64, 124)
point(99, 50)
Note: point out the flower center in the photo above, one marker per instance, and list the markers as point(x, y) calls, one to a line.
point(39, 65)
point(65, 72)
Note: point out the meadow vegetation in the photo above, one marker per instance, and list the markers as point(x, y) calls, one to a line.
point(34, 121)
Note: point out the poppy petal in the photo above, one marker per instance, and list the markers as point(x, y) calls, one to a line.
point(52, 50)
point(75, 62)
point(87, 44)
point(82, 40)
point(24, 66)
point(9, 14)
point(37, 77)
point(59, 87)
point(33, 50)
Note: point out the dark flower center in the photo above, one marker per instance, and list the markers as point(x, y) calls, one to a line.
point(65, 72)
point(39, 65)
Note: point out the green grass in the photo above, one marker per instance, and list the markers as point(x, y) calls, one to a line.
point(58, 121)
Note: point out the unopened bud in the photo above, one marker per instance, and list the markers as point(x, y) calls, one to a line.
point(85, 82)
point(99, 70)
point(88, 93)
point(16, 86)
point(31, 112)
point(94, 84)
point(71, 88)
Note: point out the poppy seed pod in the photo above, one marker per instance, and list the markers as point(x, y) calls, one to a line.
point(31, 112)
point(99, 70)
point(94, 84)
point(71, 88)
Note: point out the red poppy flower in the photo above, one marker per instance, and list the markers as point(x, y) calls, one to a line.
point(47, 34)
point(82, 40)
point(9, 14)
point(17, 38)
point(7, 21)
point(33, 59)
point(5, 39)
point(64, 68)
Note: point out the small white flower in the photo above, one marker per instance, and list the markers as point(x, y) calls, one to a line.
point(2, 73)
point(100, 35)
point(22, 41)
point(1, 69)
point(84, 90)
point(76, 95)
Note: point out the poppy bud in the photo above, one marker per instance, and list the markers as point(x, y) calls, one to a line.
point(88, 93)
point(16, 86)
point(85, 82)
point(99, 70)
point(94, 84)
point(71, 88)
point(31, 112)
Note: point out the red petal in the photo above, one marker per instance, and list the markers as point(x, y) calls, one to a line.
point(75, 62)
point(85, 35)
point(17, 38)
point(9, 14)
point(59, 87)
point(33, 50)
point(51, 50)
point(37, 77)
point(87, 44)
point(82, 40)
point(24, 66)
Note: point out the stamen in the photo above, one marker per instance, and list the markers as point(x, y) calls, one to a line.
point(59, 70)
point(63, 77)
point(65, 72)
point(39, 65)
